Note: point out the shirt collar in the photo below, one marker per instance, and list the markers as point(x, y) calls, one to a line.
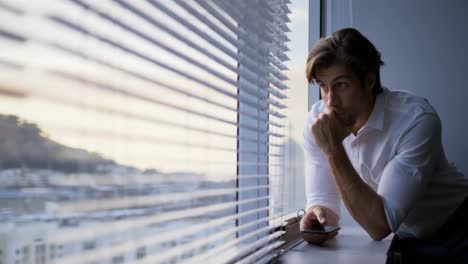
point(376, 119)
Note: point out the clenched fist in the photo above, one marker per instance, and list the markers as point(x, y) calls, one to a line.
point(328, 131)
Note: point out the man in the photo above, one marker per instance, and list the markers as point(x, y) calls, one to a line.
point(379, 151)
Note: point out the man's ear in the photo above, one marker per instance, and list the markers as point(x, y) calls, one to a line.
point(370, 80)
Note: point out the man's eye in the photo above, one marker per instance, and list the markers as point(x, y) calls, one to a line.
point(342, 85)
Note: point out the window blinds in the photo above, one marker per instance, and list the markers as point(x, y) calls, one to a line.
point(141, 131)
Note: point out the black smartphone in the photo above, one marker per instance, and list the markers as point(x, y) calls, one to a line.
point(325, 230)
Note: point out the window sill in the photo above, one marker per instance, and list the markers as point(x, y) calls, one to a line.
point(352, 245)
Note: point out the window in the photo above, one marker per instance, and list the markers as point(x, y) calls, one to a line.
point(52, 253)
point(141, 253)
point(89, 245)
point(26, 254)
point(40, 254)
point(155, 129)
point(118, 260)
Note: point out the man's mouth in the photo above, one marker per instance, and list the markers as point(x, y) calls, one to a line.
point(338, 112)
point(344, 117)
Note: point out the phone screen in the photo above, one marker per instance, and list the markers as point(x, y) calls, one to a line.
point(326, 230)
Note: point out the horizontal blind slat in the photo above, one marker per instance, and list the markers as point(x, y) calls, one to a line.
point(214, 253)
point(139, 201)
point(263, 255)
point(238, 253)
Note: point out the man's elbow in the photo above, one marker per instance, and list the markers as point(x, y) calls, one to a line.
point(380, 228)
point(380, 234)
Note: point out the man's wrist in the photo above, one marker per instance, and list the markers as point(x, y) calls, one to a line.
point(338, 160)
point(335, 153)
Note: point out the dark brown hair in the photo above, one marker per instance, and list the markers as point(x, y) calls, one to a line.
point(349, 47)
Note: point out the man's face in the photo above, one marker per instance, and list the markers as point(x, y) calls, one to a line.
point(343, 93)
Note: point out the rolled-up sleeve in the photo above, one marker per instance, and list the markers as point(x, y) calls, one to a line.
point(405, 177)
point(319, 184)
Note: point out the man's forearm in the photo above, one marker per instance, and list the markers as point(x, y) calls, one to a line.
point(363, 203)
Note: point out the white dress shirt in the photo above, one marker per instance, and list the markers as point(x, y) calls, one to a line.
point(399, 154)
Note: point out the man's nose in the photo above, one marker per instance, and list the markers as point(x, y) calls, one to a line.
point(331, 99)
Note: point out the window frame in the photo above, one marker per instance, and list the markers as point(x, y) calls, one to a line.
point(319, 22)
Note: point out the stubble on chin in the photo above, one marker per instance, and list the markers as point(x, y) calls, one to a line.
point(349, 121)
point(345, 118)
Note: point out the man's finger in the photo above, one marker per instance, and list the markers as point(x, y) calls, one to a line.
point(321, 215)
point(327, 111)
point(309, 220)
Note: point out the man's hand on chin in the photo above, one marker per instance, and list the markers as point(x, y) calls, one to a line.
point(329, 131)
